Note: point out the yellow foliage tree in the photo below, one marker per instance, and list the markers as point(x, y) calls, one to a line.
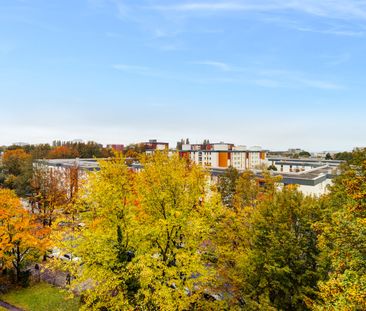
point(175, 219)
point(144, 241)
point(343, 239)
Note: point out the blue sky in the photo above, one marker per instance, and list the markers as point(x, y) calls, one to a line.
point(273, 73)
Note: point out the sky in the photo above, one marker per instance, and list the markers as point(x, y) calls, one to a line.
point(274, 73)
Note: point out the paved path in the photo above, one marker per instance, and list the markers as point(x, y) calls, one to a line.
point(9, 307)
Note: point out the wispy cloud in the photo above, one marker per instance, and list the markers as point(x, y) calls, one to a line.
point(123, 9)
point(214, 6)
point(325, 8)
point(297, 83)
point(166, 20)
point(141, 70)
point(335, 60)
point(336, 32)
point(272, 78)
point(215, 64)
point(333, 17)
point(318, 84)
point(294, 79)
point(236, 75)
point(325, 27)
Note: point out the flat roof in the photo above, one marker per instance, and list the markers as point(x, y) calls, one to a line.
point(306, 178)
point(208, 150)
point(309, 178)
point(84, 164)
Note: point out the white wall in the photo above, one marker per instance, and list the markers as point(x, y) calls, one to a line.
point(316, 190)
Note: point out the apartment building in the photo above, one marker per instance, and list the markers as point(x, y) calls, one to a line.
point(153, 145)
point(223, 155)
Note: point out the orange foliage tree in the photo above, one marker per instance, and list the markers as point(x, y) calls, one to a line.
point(53, 191)
point(48, 194)
point(63, 152)
point(21, 237)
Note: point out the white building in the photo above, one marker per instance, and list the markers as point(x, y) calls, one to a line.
point(223, 155)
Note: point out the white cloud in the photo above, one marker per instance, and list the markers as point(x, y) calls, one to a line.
point(336, 32)
point(271, 78)
point(327, 8)
point(133, 69)
point(230, 74)
point(215, 6)
point(218, 65)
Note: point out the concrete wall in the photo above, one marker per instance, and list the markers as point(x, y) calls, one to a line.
point(316, 190)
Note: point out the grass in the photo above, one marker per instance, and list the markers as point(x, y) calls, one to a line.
point(41, 297)
point(3, 309)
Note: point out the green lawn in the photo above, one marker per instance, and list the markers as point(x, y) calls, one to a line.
point(41, 297)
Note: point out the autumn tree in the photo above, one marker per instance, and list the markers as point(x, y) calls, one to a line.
point(145, 235)
point(132, 154)
point(17, 170)
point(266, 247)
point(63, 152)
point(343, 239)
point(246, 190)
point(280, 268)
point(49, 193)
point(14, 161)
point(108, 242)
point(21, 237)
point(40, 151)
point(227, 186)
point(175, 217)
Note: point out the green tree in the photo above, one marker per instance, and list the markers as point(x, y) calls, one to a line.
point(343, 239)
point(17, 170)
point(345, 156)
point(40, 151)
point(272, 167)
point(304, 154)
point(268, 251)
point(328, 156)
